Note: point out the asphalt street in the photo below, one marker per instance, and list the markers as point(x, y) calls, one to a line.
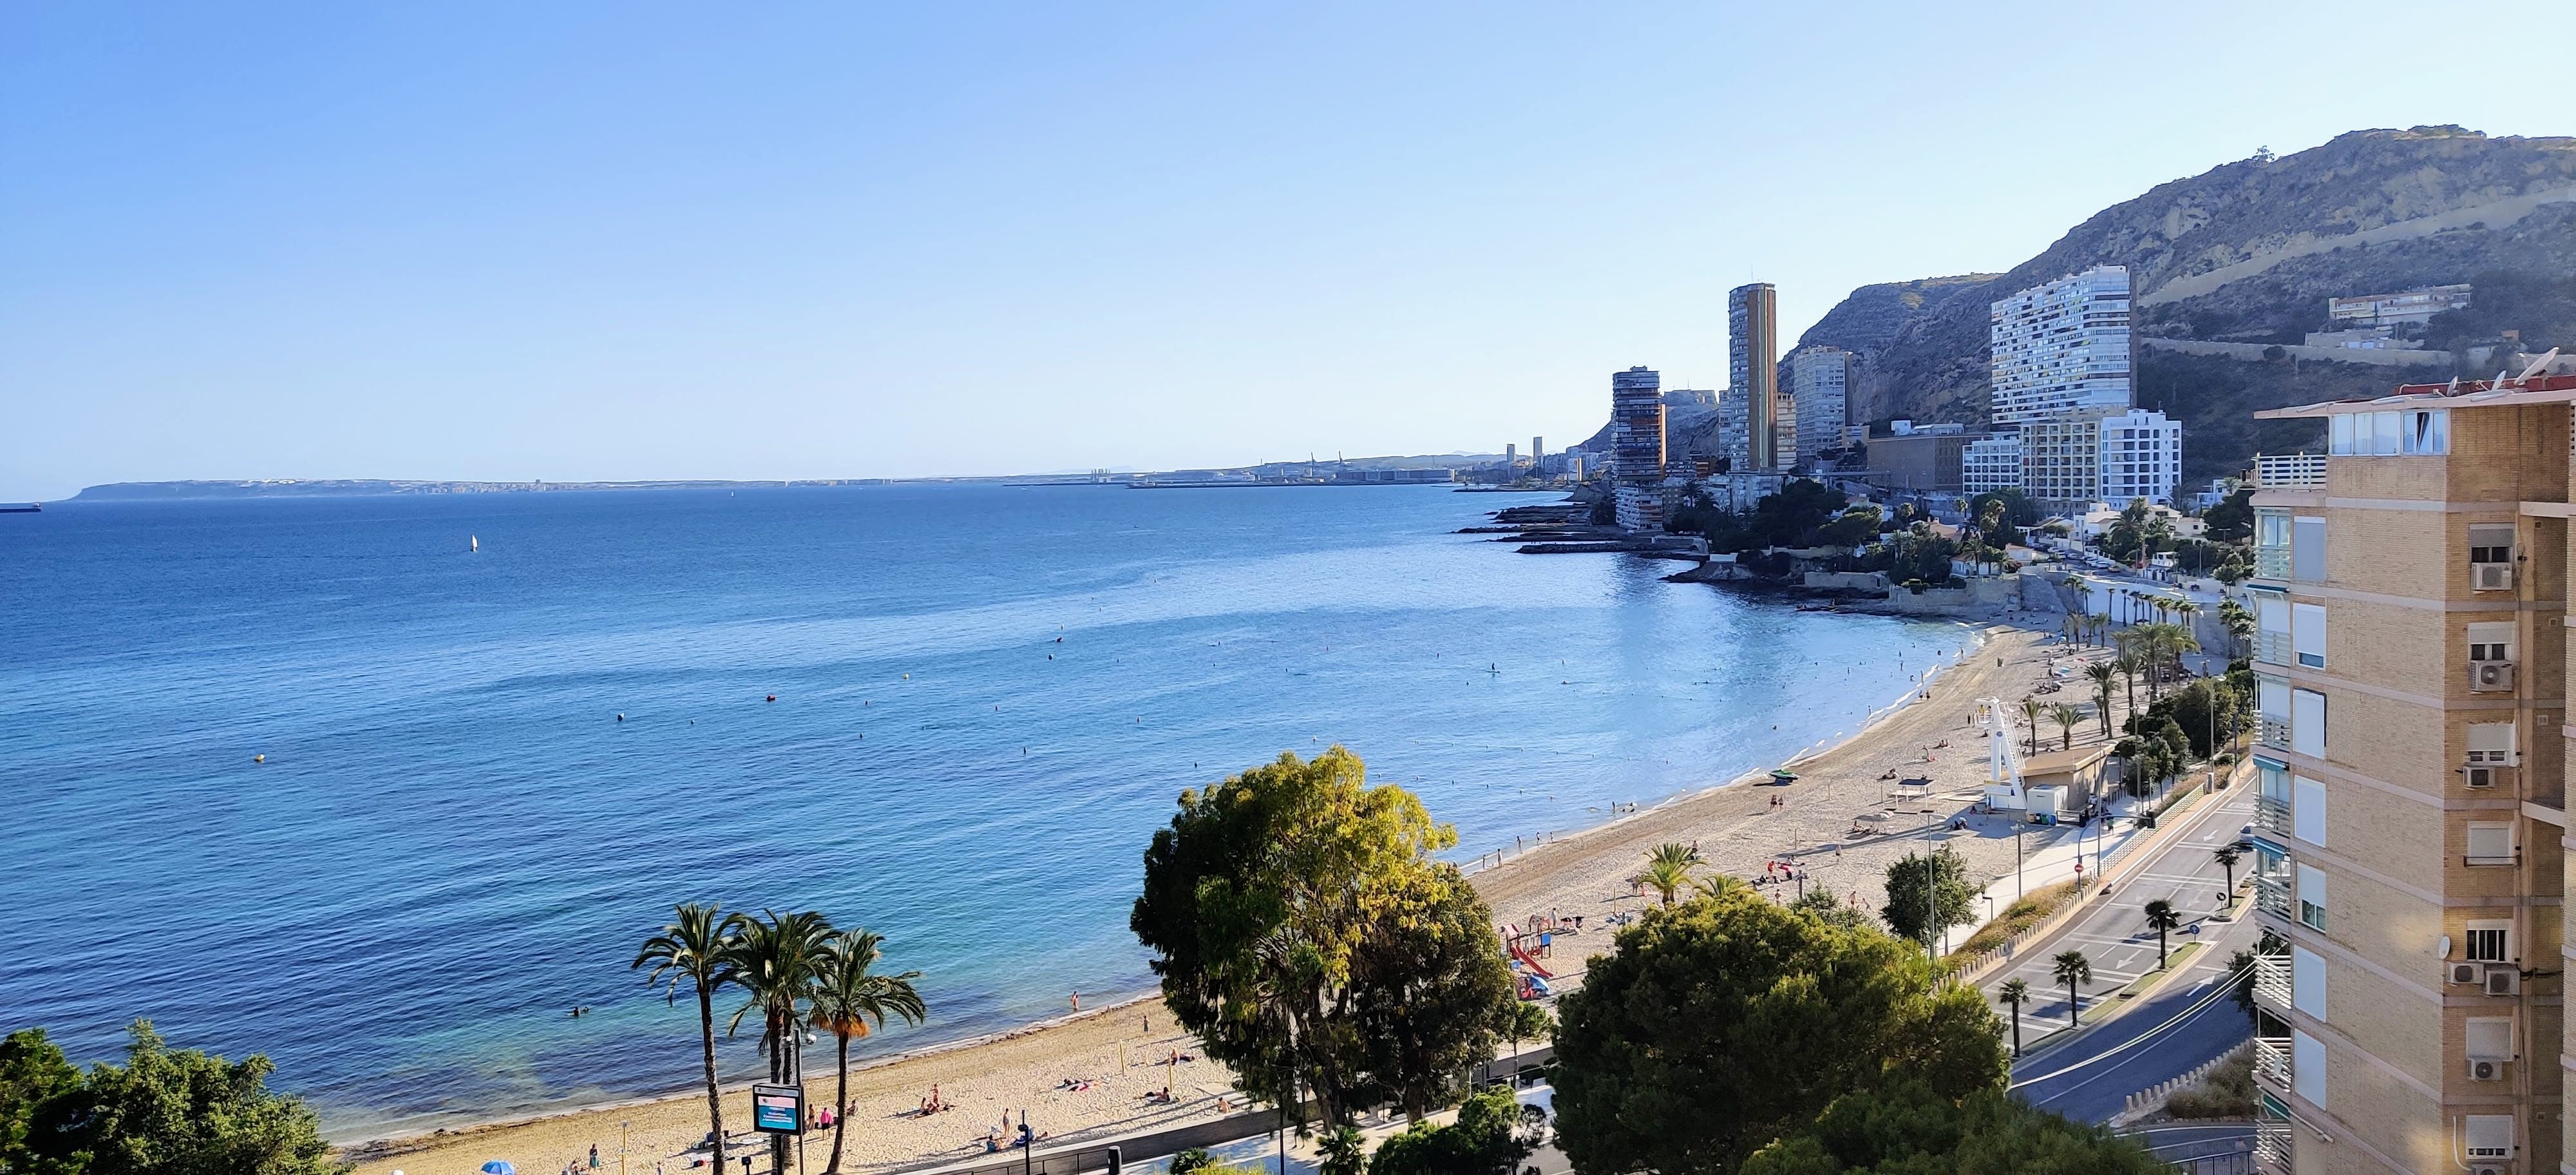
point(2092, 1077)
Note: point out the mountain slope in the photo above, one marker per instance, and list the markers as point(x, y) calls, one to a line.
point(2247, 251)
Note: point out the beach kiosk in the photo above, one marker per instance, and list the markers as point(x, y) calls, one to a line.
point(2071, 779)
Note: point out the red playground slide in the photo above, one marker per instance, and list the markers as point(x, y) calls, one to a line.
point(1532, 964)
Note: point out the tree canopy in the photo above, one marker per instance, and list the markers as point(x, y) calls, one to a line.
point(1907, 1128)
point(1910, 913)
point(1303, 931)
point(1492, 1135)
point(162, 1112)
point(1727, 1022)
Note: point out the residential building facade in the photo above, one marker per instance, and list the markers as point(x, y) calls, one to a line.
point(1991, 463)
point(2062, 347)
point(1637, 451)
point(2412, 737)
point(1819, 396)
point(1760, 428)
point(2141, 457)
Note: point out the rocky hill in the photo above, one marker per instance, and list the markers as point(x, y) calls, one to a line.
point(2248, 252)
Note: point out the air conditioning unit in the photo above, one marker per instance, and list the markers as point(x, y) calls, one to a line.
point(2483, 1069)
point(2487, 677)
point(2504, 979)
point(2486, 1169)
point(2491, 577)
point(2466, 973)
point(2480, 776)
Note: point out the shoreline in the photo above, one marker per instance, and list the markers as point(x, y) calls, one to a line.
point(417, 1148)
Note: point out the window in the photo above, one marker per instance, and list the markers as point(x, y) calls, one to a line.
point(2308, 1067)
point(2312, 896)
point(2491, 543)
point(2427, 432)
point(2491, 640)
point(2308, 550)
point(2308, 634)
point(2491, 744)
point(2308, 981)
point(2308, 722)
point(2490, 1038)
point(2339, 430)
point(2489, 942)
point(2308, 811)
point(2384, 430)
point(2489, 1136)
point(2491, 844)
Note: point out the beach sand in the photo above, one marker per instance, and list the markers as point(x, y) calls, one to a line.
point(1736, 828)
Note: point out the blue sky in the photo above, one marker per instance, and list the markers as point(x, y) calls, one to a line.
point(624, 240)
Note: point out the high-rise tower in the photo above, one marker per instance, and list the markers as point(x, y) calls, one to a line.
point(1753, 382)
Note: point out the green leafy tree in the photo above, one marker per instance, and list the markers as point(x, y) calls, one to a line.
point(1432, 993)
point(2014, 993)
point(2162, 918)
point(1907, 1129)
point(1927, 894)
point(850, 1000)
point(1826, 906)
point(2072, 968)
point(1722, 1023)
point(1283, 901)
point(162, 1112)
point(693, 949)
point(1491, 1137)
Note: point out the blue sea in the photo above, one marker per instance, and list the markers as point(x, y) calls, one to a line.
point(987, 698)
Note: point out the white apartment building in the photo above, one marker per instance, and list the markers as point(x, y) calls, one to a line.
point(1990, 464)
point(1819, 388)
point(2069, 462)
point(2062, 347)
point(2141, 457)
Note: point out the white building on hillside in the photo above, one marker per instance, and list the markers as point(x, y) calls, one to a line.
point(2062, 347)
point(2141, 456)
point(1819, 390)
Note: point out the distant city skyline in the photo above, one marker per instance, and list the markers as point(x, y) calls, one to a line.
point(593, 242)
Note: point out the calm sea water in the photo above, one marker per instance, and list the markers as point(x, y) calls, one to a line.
point(987, 698)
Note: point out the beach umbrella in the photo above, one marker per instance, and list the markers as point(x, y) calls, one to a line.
point(499, 1167)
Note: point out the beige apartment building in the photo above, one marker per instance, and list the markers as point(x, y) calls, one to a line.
point(2412, 684)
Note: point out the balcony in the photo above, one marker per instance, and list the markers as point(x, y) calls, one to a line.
point(2272, 981)
point(2272, 647)
point(2273, 730)
point(2272, 1146)
point(2272, 1062)
point(2272, 894)
point(2272, 561)
point(2272, 815)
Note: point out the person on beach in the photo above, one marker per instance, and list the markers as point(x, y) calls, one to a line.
point(1077, 1001)
point(594, 1156)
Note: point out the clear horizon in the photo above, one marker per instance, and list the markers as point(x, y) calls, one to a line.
point(652, 242)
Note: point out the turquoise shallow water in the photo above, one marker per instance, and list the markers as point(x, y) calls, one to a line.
point(453, 840)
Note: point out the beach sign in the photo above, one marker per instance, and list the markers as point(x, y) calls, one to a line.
point(778, 1109)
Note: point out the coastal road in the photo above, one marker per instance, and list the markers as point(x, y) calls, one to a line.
point(2116, 940)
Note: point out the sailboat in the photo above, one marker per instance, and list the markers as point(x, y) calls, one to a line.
point(472, 544)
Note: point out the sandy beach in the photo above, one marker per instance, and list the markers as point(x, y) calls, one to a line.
point(1737, 829)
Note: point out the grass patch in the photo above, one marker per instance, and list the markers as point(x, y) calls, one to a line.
point(2180, 957)
point(2017, 917)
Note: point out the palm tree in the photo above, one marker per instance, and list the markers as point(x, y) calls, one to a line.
point(847, 997)
point(2162, 917)
point(1668, 872)
point(2066, 717)
point(777, 963)
point(1718, 885)
point(2237, 623)
point(2030, 711)
point(2128, 665)
point(2227, 856)
point(2071, 968)
point(2101, 673)
point(2016, 993)
point(694, 947)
